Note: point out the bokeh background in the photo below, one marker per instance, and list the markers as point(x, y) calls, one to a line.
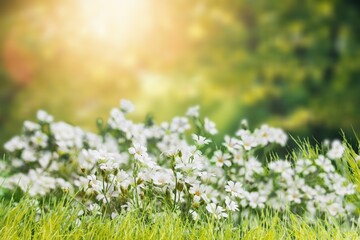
point(293, 64)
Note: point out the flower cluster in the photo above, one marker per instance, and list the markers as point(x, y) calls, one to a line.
point(136, 165)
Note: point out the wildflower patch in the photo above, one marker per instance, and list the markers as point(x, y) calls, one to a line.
point(175, 166)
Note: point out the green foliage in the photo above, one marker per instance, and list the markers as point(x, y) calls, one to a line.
point(292, 63)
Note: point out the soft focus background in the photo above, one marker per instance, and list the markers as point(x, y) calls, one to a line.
point(292, 64)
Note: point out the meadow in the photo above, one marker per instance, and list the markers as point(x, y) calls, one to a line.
point(174, 180)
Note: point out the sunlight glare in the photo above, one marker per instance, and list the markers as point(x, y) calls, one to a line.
point(116, 23)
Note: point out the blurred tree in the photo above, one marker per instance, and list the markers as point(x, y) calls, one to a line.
point(294, 64)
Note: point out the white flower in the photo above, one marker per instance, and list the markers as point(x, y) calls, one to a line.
point(198, 191)
point(293, 195)
point(310, 206)
point(235, 188)
point(29, 155)
point(44, 160)
point(80, 213)
point(244, 123)
point(298, 182)
point(253, 165)
point(179, 124)
point(94, 208)
point(263, 135)
point(39, 183)
point(211, 194)
point(108, 165)
point(64, 184)
point(335, 209)
point(17, 163)
point(31, 126)
point(126, 106)
point(221, 158)
point(231, 205)
point(193, 111)
point(108, 195)
point(337, 150)
point(232, 144)
point(16, 143)
point(39, 139)
point(138, 150)
point(326, 143)
point(342, 190)
point(93, 182)
point(210, 127)
point(243, 133)
point(309, 192)
point(324, 163)
point(239, 157)
point(87, 159)
point(278, 202)
point(265, 189)
point(162, 178)
point(194, 215)
point(256, 200)
point(279, 166)
point(216, 211)
point(279, 136)
point(117, 120)
point(123, 179)
point(200, 140)
point(43, 116)
point(67, 137)
point(100, 157)
point(78, 222)
point(287, 175)
point(305, 166)
point(248, 142)
point(114, 215)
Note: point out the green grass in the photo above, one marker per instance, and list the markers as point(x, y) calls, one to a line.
point(58, 220)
